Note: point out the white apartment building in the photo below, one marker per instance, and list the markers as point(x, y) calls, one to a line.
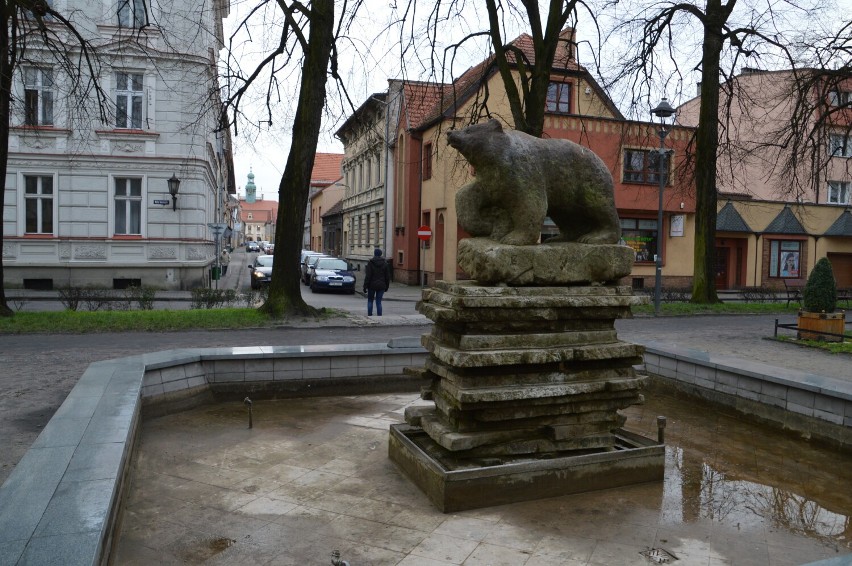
point(87, 198)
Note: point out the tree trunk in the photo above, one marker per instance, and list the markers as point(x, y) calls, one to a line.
point(285, 296)
point(706, 146)
point(6, 71)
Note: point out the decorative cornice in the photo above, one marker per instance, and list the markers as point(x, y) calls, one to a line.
point(127, 135)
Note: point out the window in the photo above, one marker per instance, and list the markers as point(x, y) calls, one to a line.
point(641, 235)
point(38, 97)
point(840, 145)
point(427, 161)
point(128, 206)
point(128, 100)
point(840, 98)
point(369, 173)
point(132, 13)
point(641, 166)
point(39, 10)
point(838, 192)
point(784, 258)
point(558, 98)
point(38, 204)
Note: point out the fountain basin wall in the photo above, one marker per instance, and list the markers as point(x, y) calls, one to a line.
point(60, 504)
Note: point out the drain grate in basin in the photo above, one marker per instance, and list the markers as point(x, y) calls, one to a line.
point(658, 556)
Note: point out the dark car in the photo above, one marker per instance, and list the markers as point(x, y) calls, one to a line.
point(261, 271)
point(308, 265)
point(332, 274)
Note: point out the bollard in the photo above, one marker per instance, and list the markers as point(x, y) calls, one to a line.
point(247, 401)
point(661, 430)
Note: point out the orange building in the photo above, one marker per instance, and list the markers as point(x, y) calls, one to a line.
point(326, 171)
point(427, 173)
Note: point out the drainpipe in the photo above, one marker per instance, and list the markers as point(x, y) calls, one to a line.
point(420, 262)
point(758, 256)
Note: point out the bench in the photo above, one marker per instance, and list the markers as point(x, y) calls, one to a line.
point(794, 293)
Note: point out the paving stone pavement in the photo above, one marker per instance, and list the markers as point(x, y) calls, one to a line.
point(299, 488)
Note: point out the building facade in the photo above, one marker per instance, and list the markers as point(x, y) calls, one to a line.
point(325, 172)
point(323, 201)
point(366, 168)
point(428, 172)
point(87, 198)
point(259, 218)
point(776, 221)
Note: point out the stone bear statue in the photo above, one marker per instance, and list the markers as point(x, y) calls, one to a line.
point(521, 179)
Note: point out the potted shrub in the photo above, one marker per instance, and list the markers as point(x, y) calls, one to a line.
point(819, 300)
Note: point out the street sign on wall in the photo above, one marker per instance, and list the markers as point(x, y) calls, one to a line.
point(424, 233)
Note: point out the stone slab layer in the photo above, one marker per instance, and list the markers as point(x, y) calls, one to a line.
point(459, 488)
point(563, 263)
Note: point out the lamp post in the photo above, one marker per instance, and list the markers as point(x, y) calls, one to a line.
point(663, 111)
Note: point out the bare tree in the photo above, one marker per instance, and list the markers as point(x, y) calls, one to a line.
point(819, 125)
point(31, 30)
point(525, 79)
point(306, 41)
point(729, 32)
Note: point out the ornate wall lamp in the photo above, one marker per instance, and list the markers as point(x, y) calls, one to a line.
point(174, 187)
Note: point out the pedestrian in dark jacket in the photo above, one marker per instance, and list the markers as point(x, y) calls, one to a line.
point(377, 278)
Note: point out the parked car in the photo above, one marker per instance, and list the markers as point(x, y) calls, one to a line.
point(261, 271)
point(304, 255)
point(308, 266)
point(252, 247)
point(262, 245)
point(270, 249)
point(332, 274)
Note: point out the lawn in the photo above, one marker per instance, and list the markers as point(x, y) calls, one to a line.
point(78, 322)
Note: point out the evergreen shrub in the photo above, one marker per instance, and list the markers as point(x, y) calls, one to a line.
point(820, 292)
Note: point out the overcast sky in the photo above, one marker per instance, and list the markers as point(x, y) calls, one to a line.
point(368, 61)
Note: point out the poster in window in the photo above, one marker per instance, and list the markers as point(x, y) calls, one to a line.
point(676, 228)
point(790, 264)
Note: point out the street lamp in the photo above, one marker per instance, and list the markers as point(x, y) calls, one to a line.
point(174, 187)
point(663, 111)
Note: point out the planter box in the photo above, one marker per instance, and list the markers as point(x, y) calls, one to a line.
point(834, 323)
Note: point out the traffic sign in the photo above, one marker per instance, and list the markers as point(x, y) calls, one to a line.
point(424, 233)
point(217, 228)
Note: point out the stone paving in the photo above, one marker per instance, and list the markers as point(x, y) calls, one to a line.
point(312, 476)
point(303, 486)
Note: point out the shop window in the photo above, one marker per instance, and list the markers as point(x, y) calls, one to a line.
point(784, 258)
point(641, 235)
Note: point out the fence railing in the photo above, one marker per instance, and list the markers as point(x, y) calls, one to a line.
point(796, 328)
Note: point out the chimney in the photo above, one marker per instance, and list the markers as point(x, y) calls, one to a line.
point(565, 49)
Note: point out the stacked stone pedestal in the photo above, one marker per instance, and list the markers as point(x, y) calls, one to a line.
point(524, 379)
point(526, 370)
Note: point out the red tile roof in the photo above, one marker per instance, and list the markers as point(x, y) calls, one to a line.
point(427, 101)
point(261, 211)
point(327, 168)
